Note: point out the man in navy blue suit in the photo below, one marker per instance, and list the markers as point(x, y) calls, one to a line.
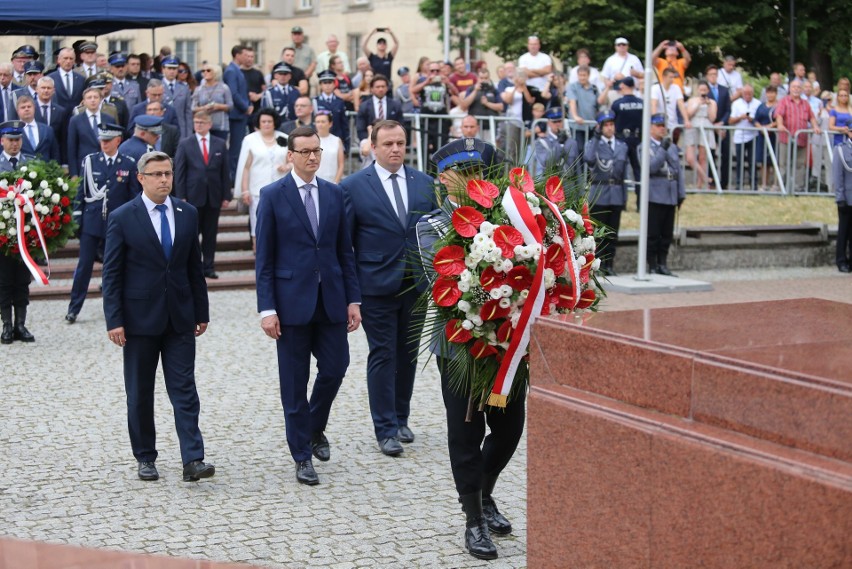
point(153, 92)
point(69, 85)
point(307, 294)
point(83, 130)
point(722, 96)
point(378, 107)
point(48, 112)
point(155, 303)
point(242, 109)
point(39, 139)
point(383, 203)
point(203, 178)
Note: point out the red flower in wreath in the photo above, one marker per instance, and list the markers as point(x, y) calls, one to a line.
point(64, 201)
point(520, 178)
point(563, 296)
point(492, 310)
point(449, 261)
point(507, 238)
point(555, 257)
point(587, 298)
point(66, 219)
point(504, 332)
point(480, 350)
point(553, 189)
point(520, 278)
point(587, 223)
point(482, 192)
point(490, 278)
point(445, 292)
point(455, 333)
point(467, 220)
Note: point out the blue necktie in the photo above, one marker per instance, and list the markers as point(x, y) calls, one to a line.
point(311, 208)
point(95, 126)
point(165, 231)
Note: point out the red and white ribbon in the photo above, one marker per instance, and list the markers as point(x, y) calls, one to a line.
point(20, 200)
point(573, 269)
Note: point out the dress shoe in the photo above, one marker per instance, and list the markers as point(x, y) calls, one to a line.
point(497, 522)
point(306, 474)
point(405, 435)
point(390, 446)
point(477, 537)
point(148, 471)
point(8, 335)
point(70, 317)
point(844, 268)
point(319, 447)
point(211, 275)
point(196, 470)
point(22, 334)
point(664, 270)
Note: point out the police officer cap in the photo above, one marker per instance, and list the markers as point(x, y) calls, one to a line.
point(108, 131)
point(608, 116)
point(94, 82)
point(12, 129)
point(327, 75)
point(628, 81)
point(553, 114)
point(25, 50)
point(297, 30)
point(281, 68)
point(658, 118)
point(86, 45)
point(466, 153)
point(33, 67)
point(170, 61)
point(117, 59)
point(106, 76)
point(150, 123)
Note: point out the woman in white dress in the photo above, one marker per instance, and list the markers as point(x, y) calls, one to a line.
point(701, 110)
point(263, 159)
point(331, 163)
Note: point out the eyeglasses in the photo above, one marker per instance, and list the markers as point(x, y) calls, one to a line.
point(206, 70)
point(434, 71)
point(166, 174)
point(308, 151)
point(182, 71)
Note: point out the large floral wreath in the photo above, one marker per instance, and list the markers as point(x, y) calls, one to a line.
point(36, 205)
point(507, 258)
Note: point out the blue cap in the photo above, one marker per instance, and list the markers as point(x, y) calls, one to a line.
point(108, 131)
point(12, 129)
point(628, 81)
point(170, 61)
point(327, 75)
point(607, 116)
point(658, 118)
point(553, 114)
point(466, 153)
point(118, 59)
point(281, 68)
point(25, 50)
point(403, 71)
point(33, 67)
point(150, 123)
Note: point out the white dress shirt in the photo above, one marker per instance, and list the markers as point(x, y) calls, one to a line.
point(154, 214)
point(300, 183)
point(384, 107)
point(384, 176)
point(198, 138)
point(32, 133)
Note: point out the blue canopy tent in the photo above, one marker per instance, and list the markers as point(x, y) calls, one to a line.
point(98, 17)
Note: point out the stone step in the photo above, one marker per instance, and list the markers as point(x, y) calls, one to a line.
point(63, 292)
point(63, 268)
point(228, 241)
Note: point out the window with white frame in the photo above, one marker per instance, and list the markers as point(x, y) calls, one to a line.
point(306, 4)
point(249, 5)
point(187, 51)
point(122, 46)
point(353, 42)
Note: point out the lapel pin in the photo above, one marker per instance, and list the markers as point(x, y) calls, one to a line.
point(179, 209)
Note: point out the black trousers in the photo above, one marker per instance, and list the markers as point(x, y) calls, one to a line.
point(746, 151)
point(609, 215)
point(89, 246)
point(208, 229)
point(660, 229)
point(633, 155)
point(14, 282)
point(472, 453)
point(844, 236)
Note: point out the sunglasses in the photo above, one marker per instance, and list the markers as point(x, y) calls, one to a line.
point(206, 70)
point(182, 71)
point(434, 71)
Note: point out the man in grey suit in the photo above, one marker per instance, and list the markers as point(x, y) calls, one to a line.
point(176, 93)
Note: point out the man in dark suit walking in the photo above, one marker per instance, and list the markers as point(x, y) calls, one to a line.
point(383, 204)
point(203, 178)
point(68, 83)
point(155, 303)
point(307, 294)
point(377, 108)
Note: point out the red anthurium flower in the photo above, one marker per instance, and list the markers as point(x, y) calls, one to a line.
point(553, 189)
point(467, 220)
point(563, 296)
point(445, 291)
point(482, 192)
point(480, 350)
point(507, 237)
point(587, 223)
point(449, 261)
point(504, 332)
point(556, 258)
point(571, 233)
point(521, 179)
point(492, 310)
point(490, 278)
point(587, 298)
point(520, 278)
point(455, 333)
point(542, 224)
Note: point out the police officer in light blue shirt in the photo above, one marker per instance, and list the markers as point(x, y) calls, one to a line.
point(842, 175)
point(146, 132)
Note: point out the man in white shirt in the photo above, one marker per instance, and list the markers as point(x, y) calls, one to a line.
point(622, 64)
point(322, 59)
point(742, 115)
point(536, 64)
point(731, 78)
point(668, 98)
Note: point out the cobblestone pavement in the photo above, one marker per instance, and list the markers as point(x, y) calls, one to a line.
point(68, 475)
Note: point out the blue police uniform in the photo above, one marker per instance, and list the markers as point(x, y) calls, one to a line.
point(134, 146)
point(281, 97)
point(336, 107)
point(628, 127)
point(841, 170)
point(556, 149)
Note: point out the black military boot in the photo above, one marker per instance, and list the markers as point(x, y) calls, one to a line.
point(8, 335)
point(663, 269)
point(21, 332)
point(497, 522)
point(477, 538)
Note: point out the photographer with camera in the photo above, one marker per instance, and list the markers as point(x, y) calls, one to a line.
point(742, 115)
point(676, 58)
point(701, 110)
point(482, 100)
point(666, 192)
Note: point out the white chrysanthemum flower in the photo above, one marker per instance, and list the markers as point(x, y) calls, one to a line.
point(536, 257)
point(463, 305)
point(495, 293)
point(24, 168)
point(33, 175)
point(470, 262)
point(492, 337)
point(497, 266)
point(30, 193)
point(536, 210)
point(463, 286)
point(505, 303)
point(64, 187)
point(55, 198)
point(60, 181)
point(13, 231)
point(27, 209)
point(7, 214)
point(487, 228)
point(467, 325)
point(44, 186)
point(514, 318)
point(581, 260)
point(558, 240)
point(519, 250)
point(524, 294)
point(596, 264)
point(532, 198)
point(507, 265)
point(2, 225)
point(466, 276)
point(549, 278)
point(494, 256)
point(506, 291)
point(479, 239)
point(27, 228)
point(477, 320)
point(472, 314)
